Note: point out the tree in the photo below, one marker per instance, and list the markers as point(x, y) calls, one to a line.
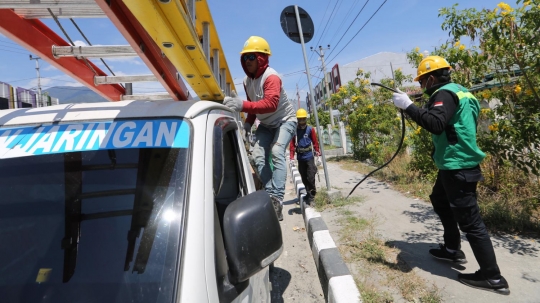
point(371, 118)
point(505, 53)
point(324, 118)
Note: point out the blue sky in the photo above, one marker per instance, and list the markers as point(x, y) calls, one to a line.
point(399, 26)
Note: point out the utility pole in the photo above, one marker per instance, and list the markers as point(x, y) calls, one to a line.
point(40, 98)
point(298, 95)
point(321, 55)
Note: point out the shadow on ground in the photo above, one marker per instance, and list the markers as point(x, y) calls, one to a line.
point(280, 279)
point(417, 255)
point(423, 213)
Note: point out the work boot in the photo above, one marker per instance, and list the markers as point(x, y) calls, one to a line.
point(477, 280)
point(308, 200)
point(278, 208)
point(441, 253)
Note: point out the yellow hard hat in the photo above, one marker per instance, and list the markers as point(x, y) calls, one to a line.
point(256, 44)
point(429, 64)
point(301, 113)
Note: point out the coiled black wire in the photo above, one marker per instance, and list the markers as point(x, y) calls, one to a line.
point(399, 146)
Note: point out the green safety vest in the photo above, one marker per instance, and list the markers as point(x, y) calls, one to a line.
point(465, 152)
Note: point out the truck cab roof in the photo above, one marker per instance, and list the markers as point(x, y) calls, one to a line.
point(107, 111)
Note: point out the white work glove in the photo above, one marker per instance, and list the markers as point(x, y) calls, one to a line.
point(233, 102)
point(247, 128)
point(401, 100)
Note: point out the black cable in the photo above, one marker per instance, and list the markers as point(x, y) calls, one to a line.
point(397, 152)
point(359, 30)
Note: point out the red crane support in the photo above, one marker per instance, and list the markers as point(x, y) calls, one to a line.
point(35, 36)
point(145, 46)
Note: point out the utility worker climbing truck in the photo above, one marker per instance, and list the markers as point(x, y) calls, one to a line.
point(268, 102)
point(131, 201)
point(306, 146)
point(451, 116)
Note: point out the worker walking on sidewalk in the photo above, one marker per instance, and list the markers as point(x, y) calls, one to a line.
point(307, 148)
point(268, 102)
point(451, 116)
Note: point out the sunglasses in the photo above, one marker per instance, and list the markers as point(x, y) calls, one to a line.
point(249, 57)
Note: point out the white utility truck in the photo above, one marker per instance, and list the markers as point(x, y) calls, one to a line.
point(131, 201)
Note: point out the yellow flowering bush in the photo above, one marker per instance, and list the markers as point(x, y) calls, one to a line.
point(371, 120)
point(494, 127)
point(503, 51)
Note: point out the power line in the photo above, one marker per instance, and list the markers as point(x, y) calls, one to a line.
point(349, 11)
point(15, 48)
point(325, 11)
point(329, 21)
point(11, 51)
point(11, 81)
point(350, 26)
point(10, 43)
point(88, 41)
point(373, 15)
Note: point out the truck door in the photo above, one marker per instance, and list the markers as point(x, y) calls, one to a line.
point(236, 182)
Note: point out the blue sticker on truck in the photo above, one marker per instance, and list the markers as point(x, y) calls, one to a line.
point(51, 139)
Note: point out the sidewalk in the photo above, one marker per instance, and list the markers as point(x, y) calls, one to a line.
point(413, 227)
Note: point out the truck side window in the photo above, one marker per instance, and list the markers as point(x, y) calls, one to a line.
point(234, 182)
point(233, 187)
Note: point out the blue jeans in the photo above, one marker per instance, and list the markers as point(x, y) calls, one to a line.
point(273, 142)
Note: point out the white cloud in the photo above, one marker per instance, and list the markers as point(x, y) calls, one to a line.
point(130, 60)
point(49, 68)
point(46, 82)
point(79, 43)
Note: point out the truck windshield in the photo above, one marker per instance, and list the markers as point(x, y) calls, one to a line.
point(100, 225)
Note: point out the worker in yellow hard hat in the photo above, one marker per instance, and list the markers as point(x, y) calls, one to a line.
point(451, 116)
point(306, 146)
point(268, 102)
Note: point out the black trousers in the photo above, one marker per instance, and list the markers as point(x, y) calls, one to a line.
point(454, 200)
point(308, 170)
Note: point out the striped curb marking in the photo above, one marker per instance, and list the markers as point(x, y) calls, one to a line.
point(336, 280)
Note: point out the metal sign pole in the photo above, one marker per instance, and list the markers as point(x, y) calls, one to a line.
point(321, 143)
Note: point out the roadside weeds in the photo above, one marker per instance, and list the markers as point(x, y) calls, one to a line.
point(380, 274)
point(512, 209)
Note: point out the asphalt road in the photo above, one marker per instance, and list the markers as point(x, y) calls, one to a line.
point(294, 276)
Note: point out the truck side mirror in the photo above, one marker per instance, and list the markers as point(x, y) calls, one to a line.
point(217, 154)
point(252, 235)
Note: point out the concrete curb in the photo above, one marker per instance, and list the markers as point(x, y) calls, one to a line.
point(336, 280)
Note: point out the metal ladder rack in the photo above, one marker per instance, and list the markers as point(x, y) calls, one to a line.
point(176, 39)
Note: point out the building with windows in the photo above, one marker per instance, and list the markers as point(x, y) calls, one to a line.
point(18, 97)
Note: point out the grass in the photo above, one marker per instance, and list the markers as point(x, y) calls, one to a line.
point(323, 201)
point(383, 277)
point(396, 173)
point(329, 147)
point(385, 273)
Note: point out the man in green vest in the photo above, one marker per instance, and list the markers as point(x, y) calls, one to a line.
point(451, 116)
